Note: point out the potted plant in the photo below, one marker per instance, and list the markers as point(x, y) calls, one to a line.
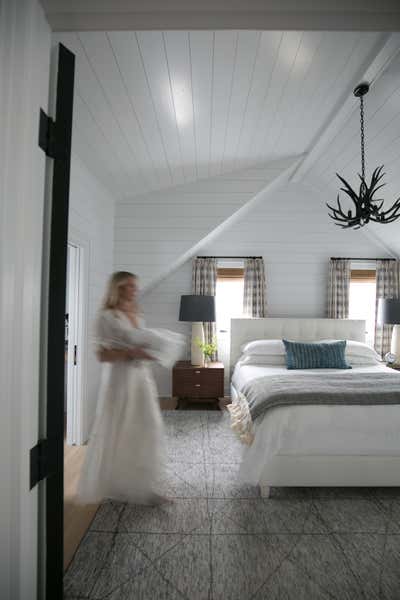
point(208, 349)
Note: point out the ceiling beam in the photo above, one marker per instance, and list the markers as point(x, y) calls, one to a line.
point(347, 103)
point(320, 15)
point(261, 196)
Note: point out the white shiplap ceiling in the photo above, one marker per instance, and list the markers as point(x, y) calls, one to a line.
point(158, 109)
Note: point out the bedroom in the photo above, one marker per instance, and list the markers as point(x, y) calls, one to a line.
point(200, 141)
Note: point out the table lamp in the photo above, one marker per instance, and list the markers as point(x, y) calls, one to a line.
point(389, 314)
point(197, 309)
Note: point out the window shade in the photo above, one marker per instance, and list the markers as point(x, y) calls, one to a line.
point(230, 273)
point(363, 275)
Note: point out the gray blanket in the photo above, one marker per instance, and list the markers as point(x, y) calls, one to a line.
point(345, 388)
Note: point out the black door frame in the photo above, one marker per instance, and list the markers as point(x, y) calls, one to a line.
point(61, 152)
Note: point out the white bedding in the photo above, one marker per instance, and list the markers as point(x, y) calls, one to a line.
point(318, 430)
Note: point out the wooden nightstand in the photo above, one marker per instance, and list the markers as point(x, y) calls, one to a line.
point(201, 384)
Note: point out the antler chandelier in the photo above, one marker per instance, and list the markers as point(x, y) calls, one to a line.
point(366, 207)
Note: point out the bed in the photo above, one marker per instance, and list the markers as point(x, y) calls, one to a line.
point(316, 445)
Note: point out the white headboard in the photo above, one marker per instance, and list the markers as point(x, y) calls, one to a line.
point(299, 330)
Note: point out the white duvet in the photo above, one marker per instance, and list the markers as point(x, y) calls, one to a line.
point(318, 430)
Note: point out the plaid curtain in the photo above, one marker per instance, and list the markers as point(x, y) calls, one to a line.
point(387, 286)
point(339, 288)
point(254, 304)
point(204, 283)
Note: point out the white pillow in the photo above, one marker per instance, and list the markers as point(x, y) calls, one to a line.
point(359, 353)
point(266, 347)
point(263, 360)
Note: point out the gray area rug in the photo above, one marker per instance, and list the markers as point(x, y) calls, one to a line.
point(220, 541)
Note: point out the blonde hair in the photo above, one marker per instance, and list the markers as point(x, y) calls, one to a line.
point(112, 296)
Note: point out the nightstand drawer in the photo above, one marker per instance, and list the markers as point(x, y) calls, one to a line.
point(197, 376)
point(198, 382)
point(191, 389)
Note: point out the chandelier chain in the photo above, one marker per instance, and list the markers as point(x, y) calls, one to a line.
point(364, 207)
point(362, 137)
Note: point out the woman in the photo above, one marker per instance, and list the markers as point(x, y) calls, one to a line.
point(125, 451)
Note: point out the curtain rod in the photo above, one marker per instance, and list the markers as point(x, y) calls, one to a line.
point(360, 259)
point(229, 257)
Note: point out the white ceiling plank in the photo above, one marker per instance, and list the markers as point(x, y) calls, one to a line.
point(92, 94)
point(103, 60)
point(126, 49)
point(349, 132)
point(334, 78)
point(381, 109)
point(97, 147)
point(288, 50)
point(152, 50)
point(201, 52)
point(246, 56)
point(225, 48)
point(320, 46)
point(179, 66)
point(266, 61)
point(249, 97)
point(370, 70)
point(291, 97)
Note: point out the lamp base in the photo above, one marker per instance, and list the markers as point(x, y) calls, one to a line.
point(395, 344)
point(197, 356)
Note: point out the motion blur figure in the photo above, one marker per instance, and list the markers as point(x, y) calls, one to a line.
point(124, 459)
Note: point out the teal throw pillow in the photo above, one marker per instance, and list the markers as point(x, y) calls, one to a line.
point(316, 355)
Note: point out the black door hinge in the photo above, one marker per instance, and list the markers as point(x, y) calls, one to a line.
point(42, 461)
point(47, 135)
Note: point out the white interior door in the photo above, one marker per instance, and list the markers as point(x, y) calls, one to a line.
point(74, 302)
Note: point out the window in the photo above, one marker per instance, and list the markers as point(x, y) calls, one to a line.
point(229, 296)
point(228, 305)
point(363, 299)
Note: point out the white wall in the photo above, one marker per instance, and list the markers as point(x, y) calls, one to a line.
point(91, 224)
point(154, 230)
point(294, 234)
point(24, 78)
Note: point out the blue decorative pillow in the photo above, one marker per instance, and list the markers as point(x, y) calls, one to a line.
point(316, 355)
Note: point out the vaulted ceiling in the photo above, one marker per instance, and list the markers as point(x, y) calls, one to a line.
point(160, 109)
point(156, 111)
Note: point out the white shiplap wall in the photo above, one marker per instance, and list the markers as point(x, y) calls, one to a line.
point(24, 87)
point(296, 238)
point(91, 224)
point(153, 231)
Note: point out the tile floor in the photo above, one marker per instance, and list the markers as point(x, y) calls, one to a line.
point(221, 541)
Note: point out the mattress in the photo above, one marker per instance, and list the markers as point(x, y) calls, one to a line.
point(321, 430)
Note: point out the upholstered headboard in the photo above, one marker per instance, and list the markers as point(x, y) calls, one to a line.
point(300, 330)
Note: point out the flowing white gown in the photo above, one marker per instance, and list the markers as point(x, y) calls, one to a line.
point(124, 459)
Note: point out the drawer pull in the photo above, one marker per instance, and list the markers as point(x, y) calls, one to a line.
point(197, 371)
point(196, 385)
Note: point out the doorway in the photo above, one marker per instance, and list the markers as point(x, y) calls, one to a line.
point(74, 327)
point(77, 517)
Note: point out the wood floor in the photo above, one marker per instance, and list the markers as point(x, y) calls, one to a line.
point(77, 518)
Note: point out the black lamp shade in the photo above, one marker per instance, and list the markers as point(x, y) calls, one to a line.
point(197, 308)
point(389, 311)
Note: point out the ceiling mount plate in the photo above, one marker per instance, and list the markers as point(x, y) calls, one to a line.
point(361, 89)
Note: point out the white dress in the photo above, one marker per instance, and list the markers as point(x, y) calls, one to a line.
point(124, 459)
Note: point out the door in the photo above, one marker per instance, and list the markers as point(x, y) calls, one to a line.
point(47, 459)
point(74, 321)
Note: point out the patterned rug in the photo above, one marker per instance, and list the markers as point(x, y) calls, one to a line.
point(221, 541)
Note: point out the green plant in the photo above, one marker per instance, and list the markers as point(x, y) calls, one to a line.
point(208, 349)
